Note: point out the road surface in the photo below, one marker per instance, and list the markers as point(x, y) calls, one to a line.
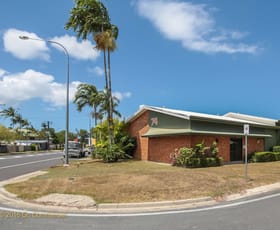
point(16, 165)
point(259, 214)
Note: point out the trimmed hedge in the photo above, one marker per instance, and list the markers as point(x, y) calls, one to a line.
point(266, 156)
point(276, 149)
point(204, 162)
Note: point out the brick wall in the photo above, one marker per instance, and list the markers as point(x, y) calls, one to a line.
point(161, 147)
point(254, 145)
point(223, 144)
point(136, 129)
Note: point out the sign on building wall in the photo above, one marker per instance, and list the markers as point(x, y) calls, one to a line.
point(246, 129)
point(154, 121)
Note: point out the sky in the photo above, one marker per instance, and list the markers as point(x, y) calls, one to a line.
point(207, 56)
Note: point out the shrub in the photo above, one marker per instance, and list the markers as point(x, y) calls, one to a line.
point(110, 153)
point(219, 161)
point(264, 157)
point(194, 162)
point(211, 162)
point(33, 147)
point(276, 148)
point(199, 156)
point(184, 156)
point(277, 156)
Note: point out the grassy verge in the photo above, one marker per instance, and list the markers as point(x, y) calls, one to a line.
point(136, 181)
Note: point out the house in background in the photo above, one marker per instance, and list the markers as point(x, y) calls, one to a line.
point(159, 131)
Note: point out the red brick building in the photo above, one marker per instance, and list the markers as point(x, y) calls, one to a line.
point(159, 131)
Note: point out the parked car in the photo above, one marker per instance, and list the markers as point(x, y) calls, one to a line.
point(75, 149)
point(88, 150)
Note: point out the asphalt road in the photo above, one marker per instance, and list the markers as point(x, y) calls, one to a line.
point(257, 215)
point(16, 165)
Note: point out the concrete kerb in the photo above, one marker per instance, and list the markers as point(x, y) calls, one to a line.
point(11, 200)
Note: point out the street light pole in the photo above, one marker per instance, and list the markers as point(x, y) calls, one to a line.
point(67, 90)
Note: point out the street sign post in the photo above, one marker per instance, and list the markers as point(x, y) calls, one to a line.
point(246, 133)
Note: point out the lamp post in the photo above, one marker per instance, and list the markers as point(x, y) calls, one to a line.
point(67, 90)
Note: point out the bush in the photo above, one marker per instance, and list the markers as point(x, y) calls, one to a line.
point(264, 157)
point(184, 156)
point(110, 153)
point(33, 147)
point(199, 156)
point(123, 147)
point(276, 149)
point(219, 161)
point(277, 156)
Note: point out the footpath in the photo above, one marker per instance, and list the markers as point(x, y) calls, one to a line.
point(65, 203)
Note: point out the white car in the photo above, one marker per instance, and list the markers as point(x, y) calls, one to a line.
point(75, 149)
point(88, 150)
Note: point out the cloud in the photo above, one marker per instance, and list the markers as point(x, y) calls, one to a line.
point(83, 50)
point(24, 49)
point(28, 85)
point(96, 70)
point(193, 26)
point(2, 72)
point(29, 49)
point(122, 96)
point(18, 87)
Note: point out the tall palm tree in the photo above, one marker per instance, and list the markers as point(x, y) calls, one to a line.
point(105, 41)
point(88, 95)
point(10, 113)
point(91, 17)
point(25, 123)
point(106, 104)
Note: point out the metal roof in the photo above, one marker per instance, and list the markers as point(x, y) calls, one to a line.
point(227, 118)
point(263, 120)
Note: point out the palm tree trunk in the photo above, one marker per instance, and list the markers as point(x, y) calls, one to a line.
point(108, 92)
point(95, 122)
point(111, 120)
point(105, 70)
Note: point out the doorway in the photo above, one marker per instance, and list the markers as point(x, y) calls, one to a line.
point(236, 149)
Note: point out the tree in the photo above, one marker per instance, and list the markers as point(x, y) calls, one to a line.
point(91, 17)
point(10, 113)
point(17, 119)
point(82, 135)
point(87, 95)
point(123, 147)
point(60, 136)
point(6, 134)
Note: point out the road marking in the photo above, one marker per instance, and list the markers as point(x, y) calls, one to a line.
point(29, 163)
point(140, 214)
point(29, 155)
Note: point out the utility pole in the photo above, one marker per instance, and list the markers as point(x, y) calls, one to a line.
point(48, 136)
point(46, 125)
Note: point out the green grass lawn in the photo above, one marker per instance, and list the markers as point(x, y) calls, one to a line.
point(137, 181)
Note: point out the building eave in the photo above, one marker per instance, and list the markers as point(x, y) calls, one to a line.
point(156, 132)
